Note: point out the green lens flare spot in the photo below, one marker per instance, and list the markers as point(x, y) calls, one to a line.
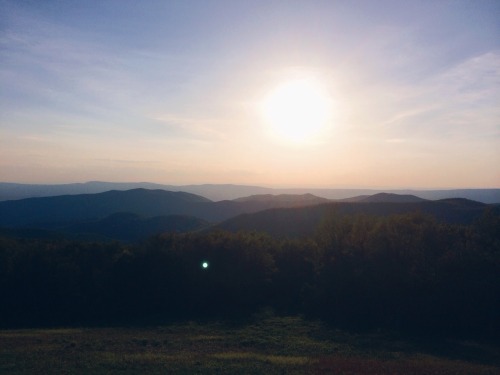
point(204, 265)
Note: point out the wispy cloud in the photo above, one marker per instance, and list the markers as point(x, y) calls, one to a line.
point(408, 83)
point(51, 70)
point(473, 81)
point(55, 68)
point(461, 101)
point(71, 83)
point(199, 129)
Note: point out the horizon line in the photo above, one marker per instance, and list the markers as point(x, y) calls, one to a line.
point(263, 186)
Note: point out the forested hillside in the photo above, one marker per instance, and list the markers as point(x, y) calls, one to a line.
point(136, 214)
point(404, 272)
point(302, 222)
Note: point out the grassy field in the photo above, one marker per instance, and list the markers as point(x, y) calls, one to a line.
point(268, 345)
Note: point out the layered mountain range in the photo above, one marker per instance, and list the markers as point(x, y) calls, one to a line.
point(136, 214)
point(218, 192)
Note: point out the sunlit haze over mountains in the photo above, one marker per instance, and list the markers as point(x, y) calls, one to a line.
point(382, 94)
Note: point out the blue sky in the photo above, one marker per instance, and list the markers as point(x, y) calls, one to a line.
point(170, 91)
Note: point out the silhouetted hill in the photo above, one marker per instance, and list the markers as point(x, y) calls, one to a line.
point(462, 202)
point(125, 227)
point(12, 191)
point(78, 208)
point(300, 222)
point(384, 198)
point(223, 210)
point(97, 214)
point(357, 198)
point(55, 212)
point(391, 198)
point(219, 192)
point(131, 227)
point(36, 233)
point(278, 222)
point(285, 199)
point(480, 195)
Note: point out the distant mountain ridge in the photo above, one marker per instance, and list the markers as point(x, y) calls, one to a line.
point(138, 213)
point(291, 199)
point(66, 209)
point(11, 191)
point(131, 227)
point(77, 208)
point(303, 221)
point(126, 227)
point(219, 192)
point(391, 198)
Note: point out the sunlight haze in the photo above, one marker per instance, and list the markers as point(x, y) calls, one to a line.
point(297, 110)
point(396, 94)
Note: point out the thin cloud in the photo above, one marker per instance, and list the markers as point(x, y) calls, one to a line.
point(449, 103)
point(202, 128)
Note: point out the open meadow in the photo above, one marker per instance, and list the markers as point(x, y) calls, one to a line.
point(263, 345)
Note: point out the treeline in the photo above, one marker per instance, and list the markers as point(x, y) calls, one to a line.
point(403, 272)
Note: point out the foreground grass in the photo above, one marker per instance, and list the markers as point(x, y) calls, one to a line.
point(286, 345)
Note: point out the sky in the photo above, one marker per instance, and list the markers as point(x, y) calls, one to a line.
point(173, 92)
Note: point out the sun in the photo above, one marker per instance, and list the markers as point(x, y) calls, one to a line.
point(297, 110)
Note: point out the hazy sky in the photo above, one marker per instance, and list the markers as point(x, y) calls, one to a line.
point(172, 91)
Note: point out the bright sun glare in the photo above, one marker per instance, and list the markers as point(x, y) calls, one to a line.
point(297, 110)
